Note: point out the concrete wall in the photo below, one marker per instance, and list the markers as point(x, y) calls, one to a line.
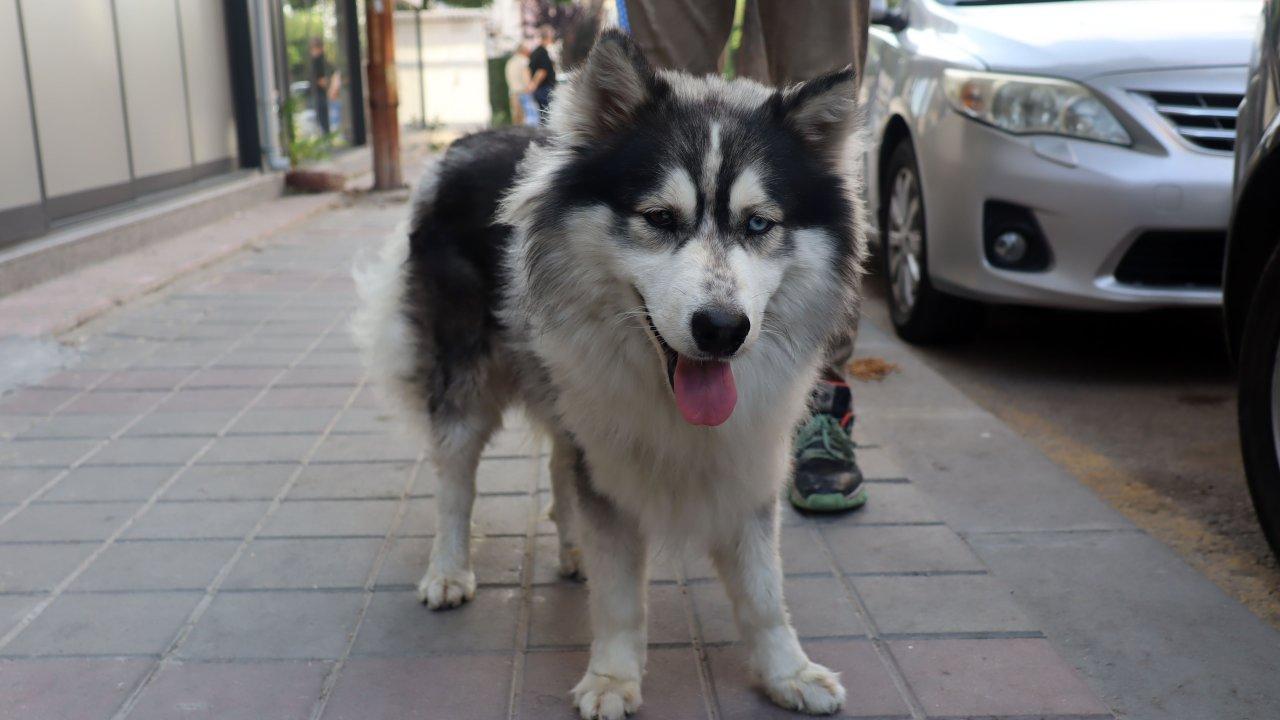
point(454, 68)
point(103, 101)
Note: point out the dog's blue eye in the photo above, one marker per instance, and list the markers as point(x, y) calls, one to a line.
point(757, 225)
point(661, 219)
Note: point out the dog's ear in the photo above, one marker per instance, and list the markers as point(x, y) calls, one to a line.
point(823, 110)
point(612, 85)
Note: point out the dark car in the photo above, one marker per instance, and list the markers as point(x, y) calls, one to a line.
point(1251, 285)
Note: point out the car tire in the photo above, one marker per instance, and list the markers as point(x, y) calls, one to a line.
point(921, 314)
point(1259, 400)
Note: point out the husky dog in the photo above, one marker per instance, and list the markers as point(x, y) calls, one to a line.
point(654, 280)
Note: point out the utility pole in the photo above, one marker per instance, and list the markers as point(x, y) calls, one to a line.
point(383, 98)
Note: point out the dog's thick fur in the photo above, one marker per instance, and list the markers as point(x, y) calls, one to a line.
point(534, 272)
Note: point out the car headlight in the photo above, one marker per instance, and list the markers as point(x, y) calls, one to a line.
point(1029, 105)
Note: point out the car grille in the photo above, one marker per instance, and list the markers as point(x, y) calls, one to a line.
point(1204, 119)
point(1163, 258)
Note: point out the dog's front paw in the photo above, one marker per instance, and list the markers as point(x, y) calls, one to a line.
point(571, 562)
point(814, 689)
point(601, 697)
point(441, 590)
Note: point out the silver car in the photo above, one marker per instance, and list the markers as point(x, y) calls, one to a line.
point(1063, 154)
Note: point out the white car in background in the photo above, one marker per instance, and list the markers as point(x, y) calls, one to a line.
point(1072, 154)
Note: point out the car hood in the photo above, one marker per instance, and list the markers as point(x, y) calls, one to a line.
point(1081, 39)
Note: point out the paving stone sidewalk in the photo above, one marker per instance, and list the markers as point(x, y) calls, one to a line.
point(209, 515)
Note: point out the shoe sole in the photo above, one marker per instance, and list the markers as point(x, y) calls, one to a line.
point(828, 502)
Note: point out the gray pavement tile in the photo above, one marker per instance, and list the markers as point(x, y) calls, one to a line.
point(302, 518)
point(51, 452)
point(923, 548)
point(160, 565)
point(397, 624)
point(66, 688)
point(513, 443)
point(230, 482)
point(941, 604)
point(352, 480)
point(878, 464)
point(328, 398)
point(420, 518)
point(499, 514)
point(149, 451)
point(78, 379)
point(366, 420)
point(257, 378)
point(503, 475)
point(801, 553)
point(99, 482)
point(34, 401)
point(259, 448)
point(871, 690)
point(278, 359)
point(460, 687)
point(232, 691)
point(60, 522)
point(79, 426)
point(109, 402)
point(330, 359)
point(1017, 676)
point(17, 484)
point(160, 424)
point(560, 617)
point(281, 625)
point(12, 609)
point(496, 560)
point(194, 520)
point(40, 567)
point(894, 503)
point(258, 421)
point(670, 689)
point(367, 448)
point(304, 564)
point(106, 624)
point(819, 608)
point(201, 400)
point(145, 379)
point(322, 376)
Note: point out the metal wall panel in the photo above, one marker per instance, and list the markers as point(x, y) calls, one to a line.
point(151, 56)
point(76, 86)
point(19, 174)
point(208, 80)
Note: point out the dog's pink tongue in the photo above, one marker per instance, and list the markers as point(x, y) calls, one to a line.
point(705, 392)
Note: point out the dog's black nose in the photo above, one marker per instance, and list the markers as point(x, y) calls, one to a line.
point(719, 332)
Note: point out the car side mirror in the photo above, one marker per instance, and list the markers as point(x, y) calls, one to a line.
point(892, 18)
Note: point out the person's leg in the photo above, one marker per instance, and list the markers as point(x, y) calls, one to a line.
point(805, 38)
point(687, 35)
point(542, 96)
point(785, 42)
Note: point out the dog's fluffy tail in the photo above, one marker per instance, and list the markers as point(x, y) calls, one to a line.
point(379, 327)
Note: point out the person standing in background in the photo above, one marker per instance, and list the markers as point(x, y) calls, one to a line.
point(783, 43)
point(320, 72)
point(517, 74)
point(542, 80)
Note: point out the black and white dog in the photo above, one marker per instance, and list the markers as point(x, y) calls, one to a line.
point(654, 280)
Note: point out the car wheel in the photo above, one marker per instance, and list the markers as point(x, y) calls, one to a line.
point(1259, 400)
point(920, 313)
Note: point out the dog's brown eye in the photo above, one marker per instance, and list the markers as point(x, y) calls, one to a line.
point(661, 219)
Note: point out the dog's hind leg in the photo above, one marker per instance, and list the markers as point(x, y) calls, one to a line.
point(750, 568)
point(614, 549)
point(449, 581)
point(564, 510)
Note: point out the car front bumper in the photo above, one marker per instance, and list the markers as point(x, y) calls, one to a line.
point(1092, 201)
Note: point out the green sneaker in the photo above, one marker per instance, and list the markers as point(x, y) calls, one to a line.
point(826, 476)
